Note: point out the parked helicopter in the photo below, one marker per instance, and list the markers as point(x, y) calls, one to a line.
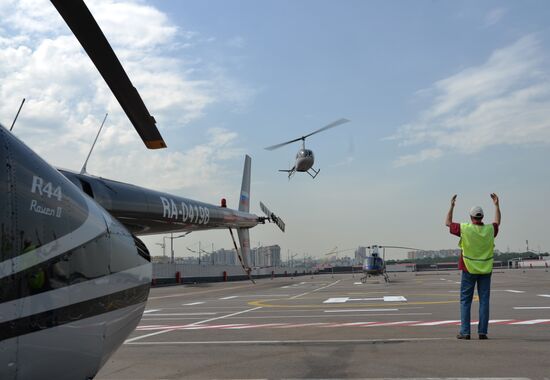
point(74, 278)
point(305, 158)
point(374, 265)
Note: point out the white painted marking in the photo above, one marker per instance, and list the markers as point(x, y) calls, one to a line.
point(499, 320)
point(385, 299)
point(514, 291)
point(151, 311)
point(337, 300)
point(228, 298)
point(291, 341)
point(315, 290)
point(355, 310)
point(365, 299)
point(532, 307)
point(436, 323)
point(394, 299)
point(544, 295)
point(193, 324)
point(357, 283)
point(192, 303)
point(227, 316)
point(531, 322)
point(147, 336)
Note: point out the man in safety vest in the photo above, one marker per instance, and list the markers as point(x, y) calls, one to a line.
point(477, 241)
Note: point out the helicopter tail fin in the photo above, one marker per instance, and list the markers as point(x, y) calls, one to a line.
point(244, 199)
point(244, 206)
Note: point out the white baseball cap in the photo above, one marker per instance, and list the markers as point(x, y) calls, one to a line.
point(476, 212)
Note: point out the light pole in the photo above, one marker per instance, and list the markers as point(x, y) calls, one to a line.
point(199, 251)
point(172, 237)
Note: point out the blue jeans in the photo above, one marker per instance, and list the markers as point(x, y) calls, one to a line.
point(467, 293)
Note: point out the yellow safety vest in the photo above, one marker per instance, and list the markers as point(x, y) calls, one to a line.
point(477, 243)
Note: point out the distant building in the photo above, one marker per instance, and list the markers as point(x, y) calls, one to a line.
point(269, 256)
point(442, 253)
point(360, 254)
point(223, 257)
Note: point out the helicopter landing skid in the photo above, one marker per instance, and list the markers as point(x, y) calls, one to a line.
point(314, 171)
point(385, 275)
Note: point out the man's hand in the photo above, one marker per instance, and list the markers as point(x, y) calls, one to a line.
point(449, 218)
point(494, 197)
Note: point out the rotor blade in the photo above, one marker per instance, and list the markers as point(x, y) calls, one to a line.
point(274, 218)
point(273, 147)
point(331, 125)
point(87, 31)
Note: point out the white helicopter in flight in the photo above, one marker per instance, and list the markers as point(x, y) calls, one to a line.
point(305, 158)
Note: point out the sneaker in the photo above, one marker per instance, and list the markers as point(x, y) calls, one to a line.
point(460, 336)
point(483, 336)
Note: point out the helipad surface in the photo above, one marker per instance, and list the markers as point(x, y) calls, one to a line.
point(337, 327)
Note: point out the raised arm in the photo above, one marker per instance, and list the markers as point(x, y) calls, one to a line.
point(494, 197)
point(449, 219)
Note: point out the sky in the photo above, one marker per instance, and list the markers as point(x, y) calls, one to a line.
point(444, 98)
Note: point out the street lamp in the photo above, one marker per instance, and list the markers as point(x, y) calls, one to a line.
point(172, 237)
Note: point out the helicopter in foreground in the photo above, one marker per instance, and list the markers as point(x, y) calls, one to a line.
point(74, 277)
point(305, 158)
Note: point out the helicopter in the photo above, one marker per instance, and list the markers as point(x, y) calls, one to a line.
point(374, 265)
point(74, 276)
point(305, 158)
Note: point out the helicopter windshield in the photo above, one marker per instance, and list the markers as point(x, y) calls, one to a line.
point(304, 153)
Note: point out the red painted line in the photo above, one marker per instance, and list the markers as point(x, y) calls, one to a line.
point(204, 327)
point(313, 324)
point(349, 324)
point(400, 323)
point(252, 326)
point(241, 326)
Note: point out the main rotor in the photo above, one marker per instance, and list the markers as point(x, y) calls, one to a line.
point(303, 138)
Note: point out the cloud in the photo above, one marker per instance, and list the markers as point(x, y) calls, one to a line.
point(494, 16)
point(505, 101)
point(426, 154)
point(67, 98)
point(199, 167)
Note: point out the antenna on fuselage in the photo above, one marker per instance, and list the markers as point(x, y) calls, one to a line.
point(17, 115)
point(83, 170)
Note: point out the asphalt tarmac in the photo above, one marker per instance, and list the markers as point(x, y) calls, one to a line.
point(337, 327)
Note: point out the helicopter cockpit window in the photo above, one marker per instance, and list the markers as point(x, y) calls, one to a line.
point(87, 188)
